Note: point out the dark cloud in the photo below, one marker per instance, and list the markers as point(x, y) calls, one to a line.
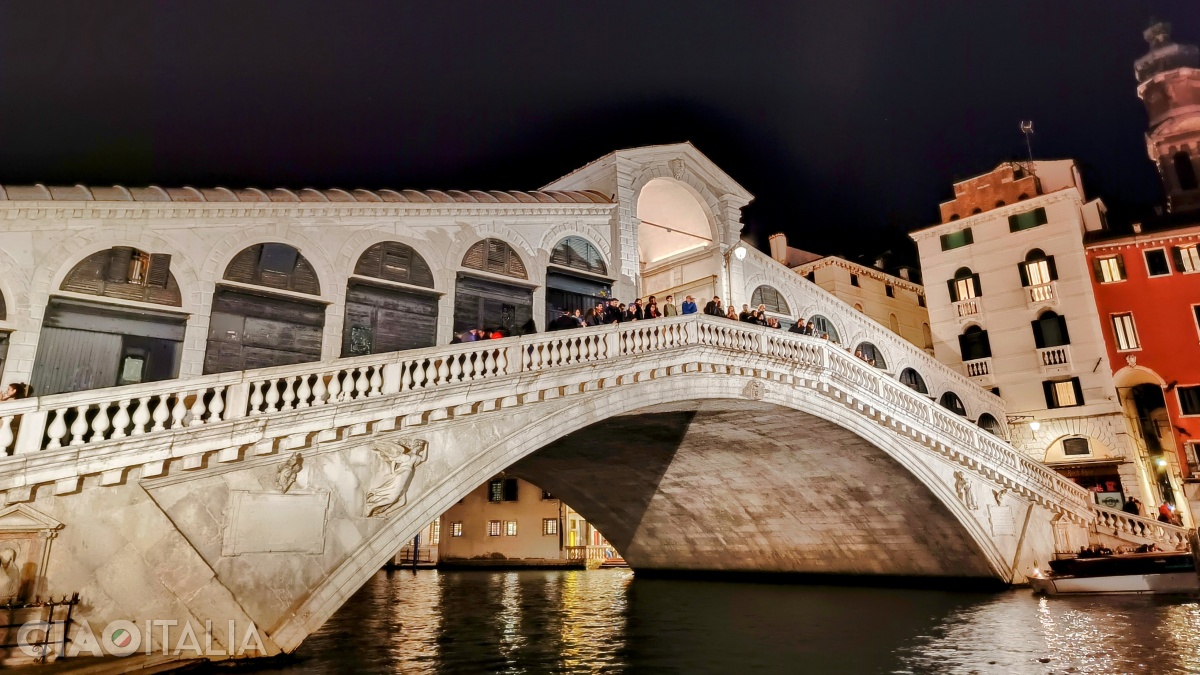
point(848, 120)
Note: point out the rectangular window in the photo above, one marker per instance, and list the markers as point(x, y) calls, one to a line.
point(549, 525)
point(1189, 399)
point(891, 292)
point(1027, 220)
point(957, 239)
point(920, 301)
point(1064, 394)
point(811, 276)
point(1196, 311)
point(435, 534)
point(1193, 458)
point(1156, 263)
point(1110, 269)
point(546, 496)
point(510, 489)
point(493, 528)
point(1125, 332)
point(456, 528)
point(502, 490)
point(1038, 272)
point(1187, 259)
point(964, 289)
point(1076, 446)
point(853, 279)
point(510, 528)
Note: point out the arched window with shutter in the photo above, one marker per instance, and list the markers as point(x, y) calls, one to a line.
point(989, 424)
point(579, 254)
point(871, 354)
point(965, 285)
point(950, 401)
point(125, 273)
point(773, 299)
point(1050, 330)
point(390, 305)
point(274, 265)
point(495, 256)
point(913, 380)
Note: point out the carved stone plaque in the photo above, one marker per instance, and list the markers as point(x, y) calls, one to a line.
point(270, 522)
point(1001, 518)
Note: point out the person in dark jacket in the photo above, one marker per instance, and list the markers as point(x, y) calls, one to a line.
point(563, 321)
point(714, 308)
point(797, 327)
point(612, 313)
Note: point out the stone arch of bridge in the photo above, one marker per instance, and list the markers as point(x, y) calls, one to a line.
point(515, 435)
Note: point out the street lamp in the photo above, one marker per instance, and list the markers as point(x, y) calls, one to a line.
point(738, 252)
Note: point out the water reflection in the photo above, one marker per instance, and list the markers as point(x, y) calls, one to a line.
point(606, 621)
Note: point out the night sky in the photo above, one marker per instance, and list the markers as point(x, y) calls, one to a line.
point(848, 120)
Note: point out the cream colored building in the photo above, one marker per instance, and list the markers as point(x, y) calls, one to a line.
point(893, 301)
point(509, 518)
point(1012, 307)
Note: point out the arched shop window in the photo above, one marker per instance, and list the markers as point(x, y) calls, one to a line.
point(989, 424)
point(390, 302)
point(491, 304)
point(109, 341)
point(773, 299)
point(950, 401)
point(575, 278)
point(913, 380)
point(579, 254)
point(254, 326)
point(871, 354)
point(495, 257)
point(825, 326)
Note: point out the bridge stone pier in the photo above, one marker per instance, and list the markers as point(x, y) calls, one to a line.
point(268, 496)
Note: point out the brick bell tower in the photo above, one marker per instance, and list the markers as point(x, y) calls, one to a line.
point(1169, 86)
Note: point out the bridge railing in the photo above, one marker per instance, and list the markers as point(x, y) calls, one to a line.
point(1126, 525)
point(104, 415)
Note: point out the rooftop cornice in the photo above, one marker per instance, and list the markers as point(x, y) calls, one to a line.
point(1065, 194)
point(863, 270)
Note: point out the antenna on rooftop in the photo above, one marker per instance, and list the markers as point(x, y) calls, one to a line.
point(1027, 129)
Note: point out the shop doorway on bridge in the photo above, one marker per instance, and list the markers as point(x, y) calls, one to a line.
point(391, 304)
point(484, 299)
point(118, 338)
point(267, 313)
point(576, 278)
point(1147, 408)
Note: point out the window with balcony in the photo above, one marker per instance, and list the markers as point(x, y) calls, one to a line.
point(1063, 393)
point(1125, 332)
point(1187, 259)
point(1027, 220)
point(456, 528)
point(1189, 400)
point(1156, 263)
point(1050, 330)
point(1109, 269)
point(974, 344)
point(965, 285)
point(957, 239)
point(1038, 269)
point(549, 526)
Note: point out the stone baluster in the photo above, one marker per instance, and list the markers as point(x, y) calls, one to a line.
point(198, 408)
point(288, 400)
point(100, 424)
point(489, 362)
point(304, 392)
point(121, 419)
point(456, 369)
point(256, 397)
point(6, 433)
point(319, 391)
point(141, 416)
point(79, 427)
point(57, 429)
point(161, 413)
point(272, 398)
point(361, 385)
point(432, 368)
point(179, 411)
point(217, 406)
point(335, 386)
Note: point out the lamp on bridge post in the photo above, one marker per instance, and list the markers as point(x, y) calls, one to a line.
point(739, 252)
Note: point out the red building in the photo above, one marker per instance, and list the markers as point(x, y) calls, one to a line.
point(1147, 282)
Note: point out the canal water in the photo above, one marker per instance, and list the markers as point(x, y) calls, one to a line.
point(608, 621)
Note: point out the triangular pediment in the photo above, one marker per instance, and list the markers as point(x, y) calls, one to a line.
point(22, 518)
point(696, 162)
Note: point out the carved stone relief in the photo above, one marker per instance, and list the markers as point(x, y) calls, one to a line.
point(962, 488)
point(755, 390)
point(25, 539)
point(286, 475)
point(400, 458)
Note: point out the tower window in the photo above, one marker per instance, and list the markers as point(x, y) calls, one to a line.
point(1184, 171)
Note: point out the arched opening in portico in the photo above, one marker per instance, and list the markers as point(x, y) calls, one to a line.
point(675, 233)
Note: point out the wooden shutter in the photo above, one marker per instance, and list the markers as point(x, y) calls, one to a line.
point(945, 239)
point(968, 238)
point(1024, 272)
point(1121, 264)
point(978, 286)
point(159, 271)
point(1048, 390)
point(1053, 268)
point(1177, 255)
point(1039, 340)
point(953, 290)
point(1062, 326)
point(1078, 391)
point(1039, 216)
point(119, 258)
point(510, 489)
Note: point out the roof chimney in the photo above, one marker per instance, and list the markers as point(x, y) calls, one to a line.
point(779, 247)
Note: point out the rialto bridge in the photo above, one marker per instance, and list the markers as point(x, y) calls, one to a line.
point(204, 488)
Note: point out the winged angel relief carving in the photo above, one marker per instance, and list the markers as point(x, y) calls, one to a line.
point(401, 458)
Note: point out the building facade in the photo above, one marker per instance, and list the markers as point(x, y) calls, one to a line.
point(509, 519)
point(897, 302)
point(1012, 306)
